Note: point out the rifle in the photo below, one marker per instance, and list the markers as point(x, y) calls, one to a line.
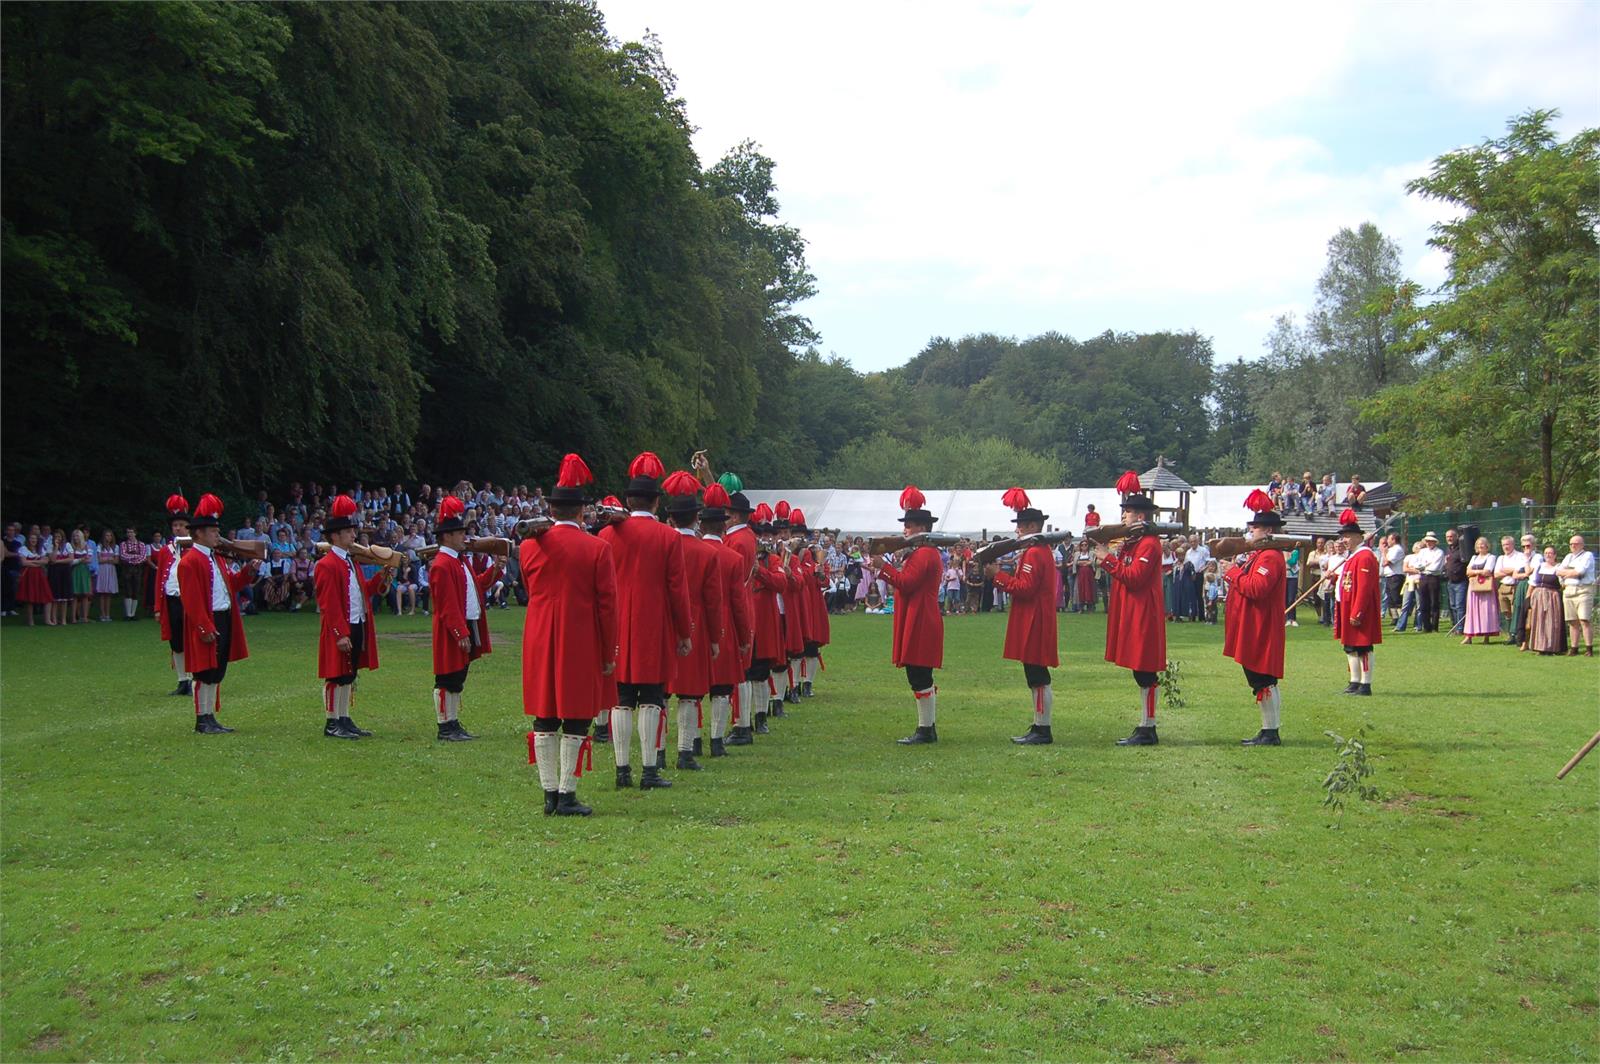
point(384, 556)
point(1233, 546)
point(250, 550)
point(890, 544)
point(1104, 534)
point(1011, 546)
point(495, 545)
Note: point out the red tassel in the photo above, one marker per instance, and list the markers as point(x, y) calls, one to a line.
point(196, 690)
point(533, 757)
point(699, 715)
point(1261, 694)
point(772, 688)
point(585, 758)
point(661, 730)
point(791, 674)
point(820, 662)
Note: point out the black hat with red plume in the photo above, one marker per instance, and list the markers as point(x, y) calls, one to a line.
point(452, 515)
point(1350, 521)
point(1132, 492)
point(1262, 512)
point(780, 515)
point(570, 480)
point(177, 508)
point(915, 505)
point(1017, 499)
point(207, 512)
point(683, 493)
point(342, 513)
point(644, 475)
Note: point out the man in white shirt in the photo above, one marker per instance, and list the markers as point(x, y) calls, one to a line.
point(1577, 595)
point(1393, 570)
point(1506, 567)
point(1430, 566)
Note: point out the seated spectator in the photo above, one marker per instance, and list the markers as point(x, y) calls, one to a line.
point(1355, 494)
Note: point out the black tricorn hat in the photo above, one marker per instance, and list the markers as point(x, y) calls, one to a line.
point(1031, 514)
point(1265, 519)
point(1139, 501)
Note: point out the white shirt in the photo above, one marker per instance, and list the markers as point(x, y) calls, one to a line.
point(1394, 560)
point(1584, 563)
point(358, 598)
point(1430, 560)
point(171, 587)
point(1508, 565)
point(474, 607)
point(642, 513)
point(1200, 557)
point(220, 598)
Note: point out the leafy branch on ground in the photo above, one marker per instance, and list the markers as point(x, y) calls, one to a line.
point(1350, 771)
point(1171, 681)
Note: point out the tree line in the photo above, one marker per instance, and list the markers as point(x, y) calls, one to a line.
point(246, 243)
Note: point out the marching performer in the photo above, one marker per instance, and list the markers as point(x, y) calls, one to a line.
point(729, 665)
point(167, 601)
point(347, 642)
point(766, 583)
point(1357, 620)
point(1031, 636)
point(460, 619)
point(653, 620)
point(818, 628)
point(918, 641)
point(741, 539)
point(782, 685)
point(569, 643)
point(213, 633)
point(702, 571)
point(1253, 621)
point(1136, 630)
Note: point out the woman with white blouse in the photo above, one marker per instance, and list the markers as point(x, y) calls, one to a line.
point(1483, 607)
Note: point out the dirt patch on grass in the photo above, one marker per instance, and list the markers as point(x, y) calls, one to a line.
point(46, 1042)
point(1411, 801)
point(728, 821)
point(1058, 906)
point(405, 637)
point(849, 1009)
point(525, 978)
point(154, 979)
point(1166, 1053)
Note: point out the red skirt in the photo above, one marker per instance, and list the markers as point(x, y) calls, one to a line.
point(34, 587)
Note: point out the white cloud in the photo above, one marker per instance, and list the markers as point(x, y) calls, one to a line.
point(1060, 158)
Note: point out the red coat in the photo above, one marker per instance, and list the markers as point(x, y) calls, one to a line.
point(1031, 625)
point(1136, 616)
point(794, 617)
point(163, 560)
point(652, 597)
point(1357, 622)
point(918, 628)
point(1252, 632)
point(702, 569)
point(572, 622)
point(447, 597)
point(822, 627)
point(333, 601)
point(742, 542)
point(769, 582)
point(729, 665)
point(195, 575)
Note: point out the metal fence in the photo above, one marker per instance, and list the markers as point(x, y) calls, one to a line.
point(1514, 521)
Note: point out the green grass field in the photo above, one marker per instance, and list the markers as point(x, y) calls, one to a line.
point(824, 894)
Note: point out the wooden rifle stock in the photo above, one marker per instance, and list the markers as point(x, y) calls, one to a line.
point(1233, 546)
point(1579, 756)
point(1104, 534)
point(890, 544)
point(250, 550)
point(495, 545)
point(384, 556)
point(1011, 546)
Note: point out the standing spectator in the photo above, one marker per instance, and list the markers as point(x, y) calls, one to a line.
point(1169, 563)
point(950, 585)
point(1455, 574)
point(1291, 587)
point(1409, 596)
point(1430, 568)
point(133, 558)
point(1391, 558)
point(1545, 606)
point(974, 584)
point(82, 577)
point(11, 570)
point(61, 563)
point(1577, 595)
point(105, 573)
point(1529, 561)
point(33, 586)
point(302, 580)
point(1483, 611)
point(1506, 567)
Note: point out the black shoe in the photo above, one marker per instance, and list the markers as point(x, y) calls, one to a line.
point(550, 799)
point(335, 729)
point(718, 749)
point(207, 725)
point(760, 727)
point(1264, 737)
point(462, 732)
point(624, 777)
point(450, 732)
point(1038, 735)
point(806, 689)
point(687, 762)
point(1354, 688)
point(652, 779)
point(792, 695)
point(353, 726)
point(740, 737)
point(186, 689)
point(1141, 736)
point(930, 734)
point(697, 745)
point(602, 733)
point(568, 805)
point(1363, 689)
point(775, 709)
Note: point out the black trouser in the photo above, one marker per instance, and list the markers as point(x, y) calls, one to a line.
point(174, 610)
point(1428, 597)
point(721, 689)
point(758, 671)
point(1259, 681)
point(358, 644)
point(634, 695)
point(546, 725)
point(1348, 649)
point(920, 677)
point(1036, 675)
point(1145, 679)
point(1392, 585)
point(223, 621)
point(813, 649)
point(453, 682)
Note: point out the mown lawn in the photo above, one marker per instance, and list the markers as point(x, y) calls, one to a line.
point(825, 894)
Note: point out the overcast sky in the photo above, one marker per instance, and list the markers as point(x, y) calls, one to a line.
point(1016, 168)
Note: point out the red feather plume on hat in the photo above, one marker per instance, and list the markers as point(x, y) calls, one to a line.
point(680, 483)
point(612, 501)
point(1015, 499)
point(1258, 502)
point(797, 517)
point(451, 506)
point(912, 498)
point(574, 473)
point(1128, 483)
point(646, 465)
point(717, 495)
point(781, 511)
point(177, 504)
point(208, 506)
point(342, 506)
point(1349, 517)
point(762, 514)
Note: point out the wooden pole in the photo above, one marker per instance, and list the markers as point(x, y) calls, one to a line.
point(1579, 756)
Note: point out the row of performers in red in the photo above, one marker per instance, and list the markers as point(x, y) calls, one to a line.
point(618, 621)
point(1136, 636)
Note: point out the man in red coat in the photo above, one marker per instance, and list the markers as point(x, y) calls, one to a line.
point(918, 641)
point(347, 641)
point(768, 581)
point(460, 617)
point(213, 633)
point(780, 678)
point(1253, 620)
point(652, 617)
point(167, 601)
point(816, 609)
point(1031, 635)
point(728, 667)
point(702, 571)
point(569, 642)
point(741, 539)
point(1136, 631)
point(1357, 620)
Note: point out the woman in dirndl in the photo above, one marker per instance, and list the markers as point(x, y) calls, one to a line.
point(1547, 632)
point(33, 586)
point(105, 573)
point(82, 578)
point(1483, 603)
